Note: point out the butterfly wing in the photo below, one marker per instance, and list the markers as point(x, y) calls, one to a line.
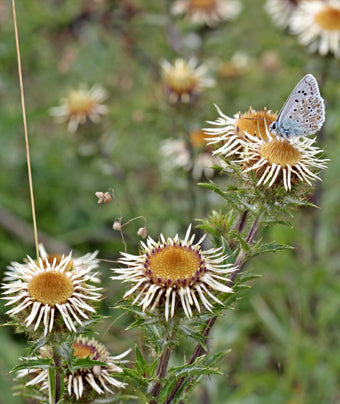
point(303, 113)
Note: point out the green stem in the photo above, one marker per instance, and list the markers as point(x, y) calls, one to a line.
point(57, 378)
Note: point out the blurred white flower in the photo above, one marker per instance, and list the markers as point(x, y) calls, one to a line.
point(184, 81)
point(317, 25)
point(209, 12)
point(80, 105)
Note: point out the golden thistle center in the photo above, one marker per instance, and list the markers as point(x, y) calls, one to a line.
point(174, 263)
point(182, 80)
point(280, 152)
point(80, 102)
point(202, 5)
point(50, 287)
point(328, 19)
point(255, 123)
point(82, 351)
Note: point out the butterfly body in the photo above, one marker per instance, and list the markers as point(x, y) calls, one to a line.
point(303, 113)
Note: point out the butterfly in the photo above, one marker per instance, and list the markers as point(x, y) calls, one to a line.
point(303, 113)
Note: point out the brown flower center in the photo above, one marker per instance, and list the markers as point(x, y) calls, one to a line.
point(202, 5)
point(173, 263)
point(81, 350)
point(328, 19)
point(51, 287)
point(255, 123)
point(280, 152)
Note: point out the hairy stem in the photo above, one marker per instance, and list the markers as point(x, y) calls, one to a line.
point(199, 349)
point(161, 372)
point(57, 378)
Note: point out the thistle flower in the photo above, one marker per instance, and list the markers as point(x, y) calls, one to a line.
point(98, 377)
point(229, 133)
point(317, 25)
point(172, 271)
point(281, 10)
point(280, 162)
point(184, 81)
point(83, 382)
point(80, 105)
point(208, 12)
point(51, 292)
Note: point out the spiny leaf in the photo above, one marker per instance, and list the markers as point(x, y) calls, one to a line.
point(38, 363)
point(269, 247)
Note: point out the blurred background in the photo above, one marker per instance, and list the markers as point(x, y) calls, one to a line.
point(285, 333)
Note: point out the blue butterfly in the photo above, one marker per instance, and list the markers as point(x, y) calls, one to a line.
point(303, 113)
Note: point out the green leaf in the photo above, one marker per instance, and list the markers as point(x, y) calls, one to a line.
point(269, 247)
point(140, 361)
point(37, 363)
point(86, 363)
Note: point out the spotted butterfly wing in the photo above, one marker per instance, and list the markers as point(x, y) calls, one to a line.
point(303, 113)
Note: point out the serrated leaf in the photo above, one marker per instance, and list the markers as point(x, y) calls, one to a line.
point(39, 343)
point(65, 352)
point(270, 247)
point(39, 363)
point(237, 236)
point(140, 361)
point(195, 370)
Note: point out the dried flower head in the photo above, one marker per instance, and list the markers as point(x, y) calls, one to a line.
point(184, 81)
point(173, 271)
point(142, 232)
point(317, 25)
point(80, 105)
point(281, 162)
point(83, 382)
point(209, 12)
point(228, 135)
point(103, 197)
point(117, 225)
point(51, 292)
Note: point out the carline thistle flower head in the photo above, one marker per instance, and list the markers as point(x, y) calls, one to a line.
point(80, 105)
point(317, 25)
point(172, 272)
point(83, 382)
point(185, 80)
point(227, 133)
point(209, 12)
point(247, 140)
point(52, 292)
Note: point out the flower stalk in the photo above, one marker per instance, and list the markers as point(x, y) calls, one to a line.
point(200, 349)
point(57, 377)
point(161, 372)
